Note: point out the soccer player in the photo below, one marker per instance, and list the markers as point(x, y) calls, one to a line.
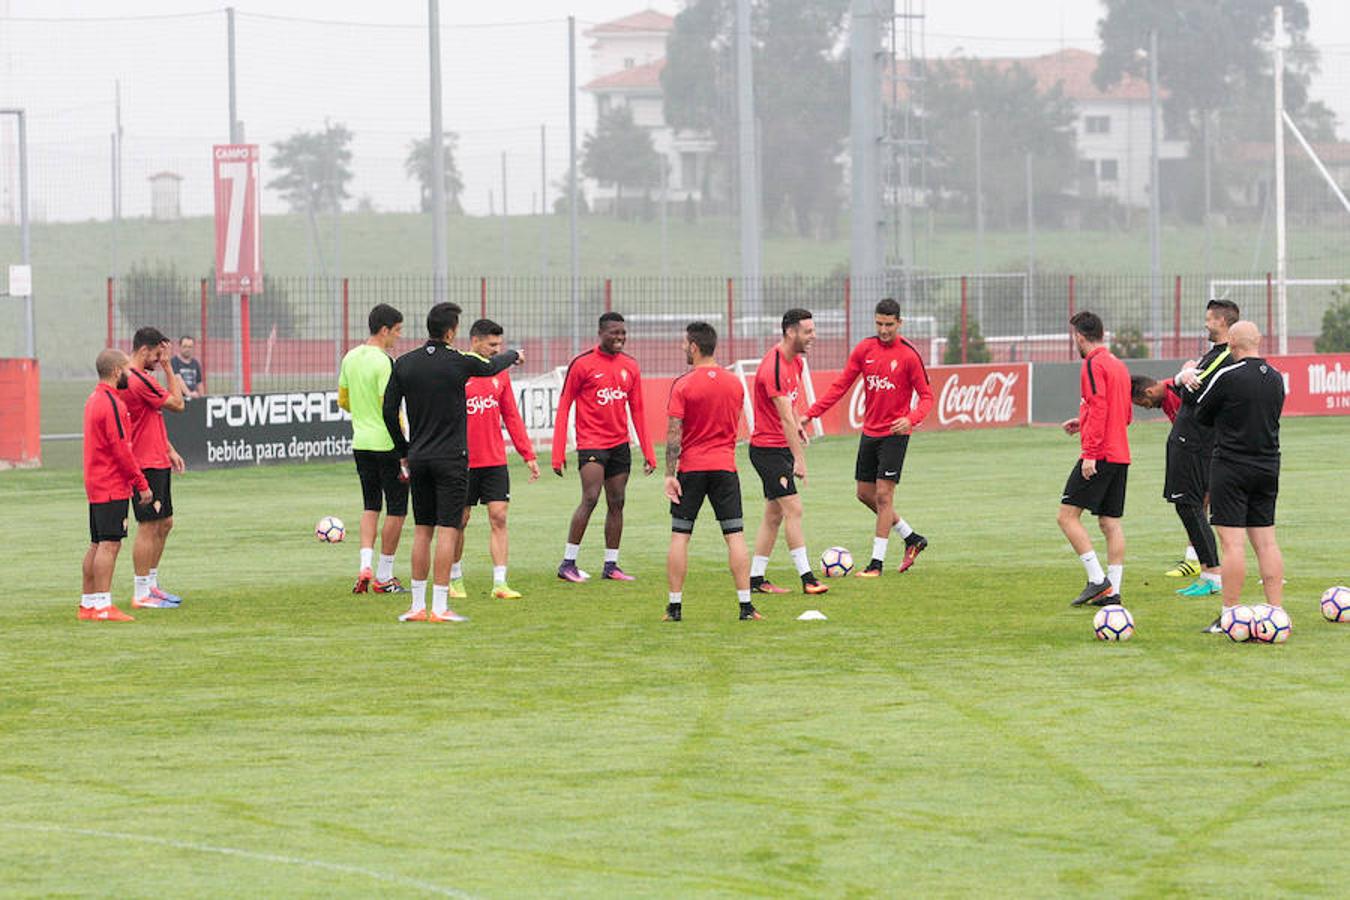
point(777, 452)
point(893, 375)
point(432, 380)
point(362, 378)
point(1190, 447)
point(188, 368)
point(1097, 482)
point(1242, 403)
point(491, 402)
point(600, 382)
point(111, 476)
point(146, 399)
point(704, 412)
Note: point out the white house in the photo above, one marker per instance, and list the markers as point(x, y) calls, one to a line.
point(629, 54)
point(165, 194)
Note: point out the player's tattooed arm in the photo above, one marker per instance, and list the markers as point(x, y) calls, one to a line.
point(673, 434)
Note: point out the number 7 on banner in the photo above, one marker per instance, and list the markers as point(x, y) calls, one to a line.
point(238, 238)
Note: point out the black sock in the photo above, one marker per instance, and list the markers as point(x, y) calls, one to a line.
point(756, 580)
point(876, 564)
point(914, 538)
point(808, 577)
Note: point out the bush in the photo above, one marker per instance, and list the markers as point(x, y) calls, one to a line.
point(976, 351)
point(1129, 343)
point(1335, 337)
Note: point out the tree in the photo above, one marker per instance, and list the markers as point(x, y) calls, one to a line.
point(418, 166)
point(621, 151)
point(315, 169)
point(801, 97)
point(1335, 337)
point(1016, 119)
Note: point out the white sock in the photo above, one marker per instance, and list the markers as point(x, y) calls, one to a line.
point(570, 552)
point(1094, 568)
point(901, 527)
point(385, 570)
point(498, 576)
point(367, 556)
point(743, 596)
point(142, 586)
point(456, 571)
point(800, 561)
point(1115, 573)
point(154, 578)
point(879, 548)
point(419, 596)
point(758, 566)
point(440, 599)
point(1212, 576)
point(1191, 554)
point(101, 601)
point(675, 598)
point(611, 554)
point(87, 601)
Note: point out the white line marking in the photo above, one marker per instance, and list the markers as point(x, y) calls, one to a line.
point(243, 854)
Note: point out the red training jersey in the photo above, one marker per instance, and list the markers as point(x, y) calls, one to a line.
point(110, 468)
point(775, 377)
point(1105, 411)
point(600, 384)
point(893, 374)
point(1171, 401)
point(490, 401)
point(144, 397)
point(709, 401)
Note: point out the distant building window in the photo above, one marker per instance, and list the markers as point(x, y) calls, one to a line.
point(629, 62)
point(1108, 170)
point(1098, 124)
point(1087, 168)
point(688, 171)
point(602, 104)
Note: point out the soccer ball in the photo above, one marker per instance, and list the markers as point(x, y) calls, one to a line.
point(1270, 624)
point(836, 561)
point(330, 530)
point(1336, 604)
point(1113, 623)
point(1236, 622)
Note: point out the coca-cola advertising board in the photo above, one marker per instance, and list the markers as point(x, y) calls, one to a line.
point(1315, 385)
point(994, 396)
point(238, 231)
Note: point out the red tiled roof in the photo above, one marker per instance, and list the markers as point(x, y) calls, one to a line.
point(646, 76)
point(1069, 68)
point(647, 20)
point(1329, 152)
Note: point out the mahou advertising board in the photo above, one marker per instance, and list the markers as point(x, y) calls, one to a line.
point(1315, 385)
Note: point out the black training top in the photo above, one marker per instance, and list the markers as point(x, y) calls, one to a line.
point(431, 379)
point(1185, 429)
point(1242, 402)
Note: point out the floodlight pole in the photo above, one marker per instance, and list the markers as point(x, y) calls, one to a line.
point(1154, 200)
point(236, 303)
point(25, 237)
point(573, 259)
point(440, 262)
point(748, 167)
point(1281, 255)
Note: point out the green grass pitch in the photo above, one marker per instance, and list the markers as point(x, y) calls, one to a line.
point(952, 731)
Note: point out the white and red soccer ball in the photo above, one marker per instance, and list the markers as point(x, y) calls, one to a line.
point(1270, 624)
point(1236, 622)
point(1336, 604)
point(330, 530)
point(1113, 623)
point(836, 562)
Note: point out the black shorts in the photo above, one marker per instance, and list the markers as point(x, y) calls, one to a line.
point(1242, 496)
point(161, 506)
point(107, 521)
point(489, 484)
point(881, 458)
point(379, 474)
point(1187, 478)
point(439, 488)
point(723, 490)
point(616, 460)
point(774, 465)
point(1103, 494)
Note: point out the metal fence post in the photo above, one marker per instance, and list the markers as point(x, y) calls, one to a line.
point(201, 341)
point(731, 317)
point(1176, 316)
point(245, 347)
point(112, 335)
point(963, 320)
point(1072, 346)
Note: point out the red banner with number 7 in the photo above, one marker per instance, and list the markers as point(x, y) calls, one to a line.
point(238, 231)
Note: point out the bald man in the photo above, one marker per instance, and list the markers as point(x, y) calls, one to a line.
point(1242, 402)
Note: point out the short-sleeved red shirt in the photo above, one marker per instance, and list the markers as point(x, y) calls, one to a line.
point(775, 377)
point(144, 397)
point(709, 401)
point(490, 402)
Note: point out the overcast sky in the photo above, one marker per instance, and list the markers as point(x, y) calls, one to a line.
point(365, 64)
